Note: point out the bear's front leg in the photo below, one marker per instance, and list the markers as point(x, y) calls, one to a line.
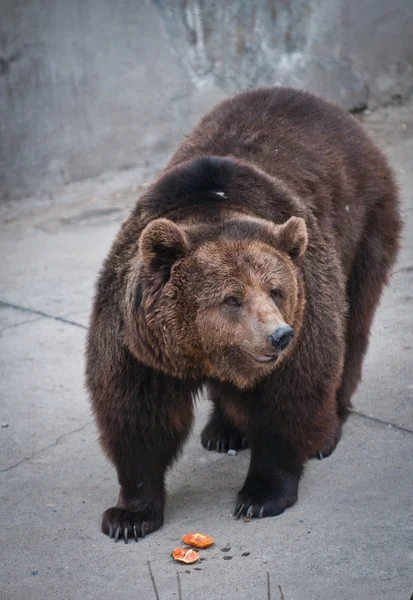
point(141, 500)
point(271, 485)
point(143, 421)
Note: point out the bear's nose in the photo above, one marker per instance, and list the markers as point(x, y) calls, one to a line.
point(282, 337)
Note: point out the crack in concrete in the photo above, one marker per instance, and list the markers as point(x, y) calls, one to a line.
point(18, 324)
point(380, 421)
point(41, 314)
point(52, 445)
point(69, 433)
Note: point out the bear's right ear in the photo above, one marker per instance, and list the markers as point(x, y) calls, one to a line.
point(161, 244)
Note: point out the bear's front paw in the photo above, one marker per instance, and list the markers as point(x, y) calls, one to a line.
point(222, 436)
point(266, 497)
point(133, 522)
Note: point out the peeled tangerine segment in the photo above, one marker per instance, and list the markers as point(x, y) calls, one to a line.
point(198, 540)
point(185, 555)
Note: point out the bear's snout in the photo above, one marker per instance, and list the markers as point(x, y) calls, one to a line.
point(281, 337)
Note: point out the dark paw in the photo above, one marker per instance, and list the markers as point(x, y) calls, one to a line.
point(222, 436)
point(329, 448)
point(266, 498)
point(326, 451)
point(123, 523)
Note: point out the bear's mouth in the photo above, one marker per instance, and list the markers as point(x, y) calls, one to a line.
point(264, 358)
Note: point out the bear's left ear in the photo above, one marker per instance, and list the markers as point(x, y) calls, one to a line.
point(161, 244)
point(292, 237)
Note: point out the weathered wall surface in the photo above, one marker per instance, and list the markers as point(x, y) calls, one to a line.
point(88, 86)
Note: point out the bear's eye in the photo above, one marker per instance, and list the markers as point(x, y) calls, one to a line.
point(232, 301)
point(276, 295)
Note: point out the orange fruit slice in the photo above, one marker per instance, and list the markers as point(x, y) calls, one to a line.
point(185, 555)
point(198, 540)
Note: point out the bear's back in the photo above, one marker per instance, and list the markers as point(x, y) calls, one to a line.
point(317, 148)
point(304, 140)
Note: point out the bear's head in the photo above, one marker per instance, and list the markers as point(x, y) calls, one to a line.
point(223, 300)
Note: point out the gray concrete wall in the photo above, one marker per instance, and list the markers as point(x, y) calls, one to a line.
point(88, 86)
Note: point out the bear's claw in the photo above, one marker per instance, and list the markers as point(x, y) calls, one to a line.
point(249, 513)
point(120, 523)
point(262, 497)
point(238, 510)
point(256, 511)
point(221, 437)
point(117, 533)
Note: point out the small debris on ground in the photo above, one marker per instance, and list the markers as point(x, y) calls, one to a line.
point(185, 555)
point(198, 540)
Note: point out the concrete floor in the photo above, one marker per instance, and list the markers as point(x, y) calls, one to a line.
point(350, 537)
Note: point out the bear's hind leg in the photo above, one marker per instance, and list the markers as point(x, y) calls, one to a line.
point(371, 269)
point(220, 433)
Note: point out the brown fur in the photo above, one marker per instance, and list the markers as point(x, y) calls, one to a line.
point(276, 209)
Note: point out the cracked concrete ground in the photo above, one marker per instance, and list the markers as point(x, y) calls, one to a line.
point(350, 536)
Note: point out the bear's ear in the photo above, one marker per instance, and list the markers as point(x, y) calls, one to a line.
point(161, 244)
point(292, 237)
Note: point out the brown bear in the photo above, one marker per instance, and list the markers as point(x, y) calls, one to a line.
point(252, 267)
